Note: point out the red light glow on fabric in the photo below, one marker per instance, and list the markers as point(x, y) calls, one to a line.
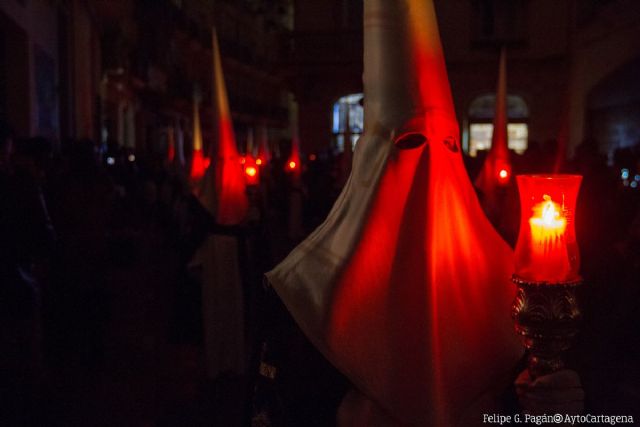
point(230, 179)
point(427, 235)
point(426, 250)
point(199, 164)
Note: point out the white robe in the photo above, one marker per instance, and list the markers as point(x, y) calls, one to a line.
point(405, 287)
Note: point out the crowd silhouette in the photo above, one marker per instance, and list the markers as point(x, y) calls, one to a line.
point(101, 313)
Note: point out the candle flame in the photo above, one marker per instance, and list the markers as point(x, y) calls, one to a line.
point(548, 215)
point(547, 226)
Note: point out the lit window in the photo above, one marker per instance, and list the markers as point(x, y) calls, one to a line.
point(347, 121)
point(480, 137)
point(481, 127)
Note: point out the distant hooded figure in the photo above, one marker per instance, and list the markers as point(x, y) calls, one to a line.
point(198, 160)
point(405, 286)
point(495, 175)
point(222, 193)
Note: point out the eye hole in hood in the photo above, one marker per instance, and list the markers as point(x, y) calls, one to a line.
point(410, 140)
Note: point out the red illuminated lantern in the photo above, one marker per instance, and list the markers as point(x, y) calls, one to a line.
point(293, 162)
point(547, 250)
point(545, 310)
point(502, 172)
point(251, 172)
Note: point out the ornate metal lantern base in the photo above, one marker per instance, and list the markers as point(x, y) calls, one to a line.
point(547, 317)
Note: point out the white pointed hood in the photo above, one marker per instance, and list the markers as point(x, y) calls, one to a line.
point(223, 192)
point(405, 286)
point(496, 170)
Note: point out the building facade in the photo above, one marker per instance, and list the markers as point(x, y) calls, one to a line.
point(125, 71)
point(122, 72)
point(560, 54)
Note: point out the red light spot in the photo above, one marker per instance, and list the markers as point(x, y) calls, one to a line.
point(312, 157)
point(258, 161)
point(504, 174)
point(292, 165)
point(243, 160)
point(251, 171)
point(199, 164)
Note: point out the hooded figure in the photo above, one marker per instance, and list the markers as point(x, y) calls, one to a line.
point(198, 161)
point(496, 171)
point(223, 190)
point(405, 286)
point(223, 195)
